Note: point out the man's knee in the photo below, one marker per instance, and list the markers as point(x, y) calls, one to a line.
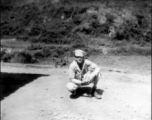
point(96, 80)
point(71, 86)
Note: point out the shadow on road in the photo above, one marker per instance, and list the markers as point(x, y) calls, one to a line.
point(10, 82)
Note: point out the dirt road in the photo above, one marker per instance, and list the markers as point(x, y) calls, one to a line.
point(126, 96)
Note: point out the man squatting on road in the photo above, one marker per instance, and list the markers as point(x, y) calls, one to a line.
point(83, 73)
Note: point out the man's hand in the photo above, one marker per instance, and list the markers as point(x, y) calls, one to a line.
point(79, 82)
point(87, 80)
point(76, 81)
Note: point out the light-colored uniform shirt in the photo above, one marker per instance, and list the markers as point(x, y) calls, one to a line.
point(86, 76)
point(76, 73)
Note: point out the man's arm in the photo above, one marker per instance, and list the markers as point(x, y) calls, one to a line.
point(93, 74)
point(95, 66)
point(76, 81)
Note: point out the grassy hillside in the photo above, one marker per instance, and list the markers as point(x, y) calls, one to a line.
point(78, 23)
point(56, 22)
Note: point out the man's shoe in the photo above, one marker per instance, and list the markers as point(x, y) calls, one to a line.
point(74, 94)
point(96, 94)
point(88, 95)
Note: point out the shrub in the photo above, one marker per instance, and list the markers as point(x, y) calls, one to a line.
point(77, 41)
point(134, 32)
point(19, 57)
point(2, 53)
point(7, 57)
point(23, 57)
point(110, 18)
point(39, 54)
point(46, 51)
point(148, 36)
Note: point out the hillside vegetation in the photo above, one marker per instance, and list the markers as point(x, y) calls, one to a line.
point(78, 23)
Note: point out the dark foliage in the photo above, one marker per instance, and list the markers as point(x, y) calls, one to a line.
point(55, 23)
point(20, 57)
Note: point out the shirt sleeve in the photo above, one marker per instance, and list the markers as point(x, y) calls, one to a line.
point(71, 72)
point(93, 65)
point(90, 63)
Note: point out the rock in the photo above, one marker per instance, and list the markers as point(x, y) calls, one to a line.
point(65, 115)
point(54, 113)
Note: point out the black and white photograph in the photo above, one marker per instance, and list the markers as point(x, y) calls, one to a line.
point(75, 59)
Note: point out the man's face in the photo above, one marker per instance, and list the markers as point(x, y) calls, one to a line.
point(79, 59)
